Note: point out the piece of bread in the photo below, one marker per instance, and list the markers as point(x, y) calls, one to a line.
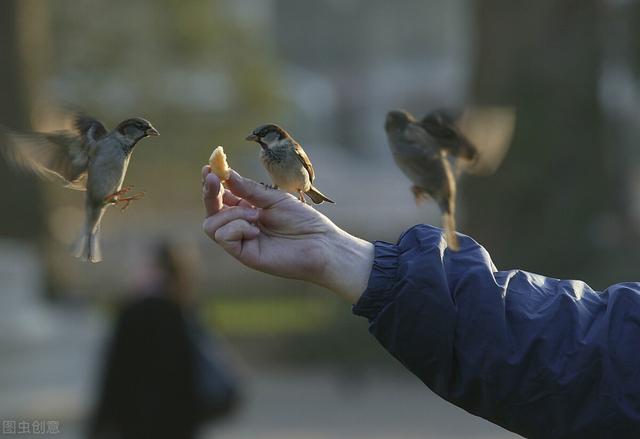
point(218, 163)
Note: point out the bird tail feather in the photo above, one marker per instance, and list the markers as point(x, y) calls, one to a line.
point(318, 197)
point(449, 223)
point(88, 246)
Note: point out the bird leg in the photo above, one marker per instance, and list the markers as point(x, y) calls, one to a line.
point(268, 186)
point(301, 197)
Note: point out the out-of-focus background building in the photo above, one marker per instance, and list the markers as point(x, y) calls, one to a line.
point(566, 201)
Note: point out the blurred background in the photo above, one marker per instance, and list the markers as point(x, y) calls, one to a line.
point(564, 203)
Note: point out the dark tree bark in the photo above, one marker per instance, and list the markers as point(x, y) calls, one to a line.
point(546, 209)
point(22, 202)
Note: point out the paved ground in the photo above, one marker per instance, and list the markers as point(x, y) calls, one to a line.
point(319, 405)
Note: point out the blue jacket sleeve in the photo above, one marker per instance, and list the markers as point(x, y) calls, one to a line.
point(542, 357)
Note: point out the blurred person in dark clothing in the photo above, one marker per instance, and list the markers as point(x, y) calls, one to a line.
point(163, 375)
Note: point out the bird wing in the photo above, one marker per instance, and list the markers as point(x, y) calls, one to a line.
point(304, 159)
point(490, 129)
point(58, 155)
point(89, 128)
point(442, 127)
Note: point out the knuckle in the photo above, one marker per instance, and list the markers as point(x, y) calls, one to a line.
point(219, 235)
point(206, 227)
point(225, 234)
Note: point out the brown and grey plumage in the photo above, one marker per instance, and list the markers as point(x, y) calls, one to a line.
point(86, 158)
point(441, 125)
point(286, 162)
point(420, 157)
point(434, 150)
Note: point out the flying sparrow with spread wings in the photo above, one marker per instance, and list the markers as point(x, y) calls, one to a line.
point(432, 152)
point(87, 158)
point(286, 162)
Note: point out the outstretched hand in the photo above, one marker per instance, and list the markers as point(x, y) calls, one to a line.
point(274, 232)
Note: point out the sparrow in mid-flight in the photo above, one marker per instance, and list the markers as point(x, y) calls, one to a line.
point(286, 162)
point(432, 152)
point(86, 158)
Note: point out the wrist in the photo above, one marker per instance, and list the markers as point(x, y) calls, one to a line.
point(348, 265)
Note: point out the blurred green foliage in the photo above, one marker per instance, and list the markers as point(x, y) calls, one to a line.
point(269, 316)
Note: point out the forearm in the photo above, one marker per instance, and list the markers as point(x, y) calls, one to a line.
point(347, 266)
point(541, 357)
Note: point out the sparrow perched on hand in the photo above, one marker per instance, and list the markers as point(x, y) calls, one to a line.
point(286, 162)
point(425, 151)
point(84, 158)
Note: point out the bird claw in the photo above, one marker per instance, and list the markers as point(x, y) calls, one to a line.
point(123, 190)
point(268, 186)
point(115, 197)
point(128, 200)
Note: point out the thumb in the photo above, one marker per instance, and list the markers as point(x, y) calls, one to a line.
point(255, 193)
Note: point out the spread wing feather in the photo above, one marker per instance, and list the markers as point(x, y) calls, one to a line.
point(490, 129)
point(89, 128)
point(61, 155)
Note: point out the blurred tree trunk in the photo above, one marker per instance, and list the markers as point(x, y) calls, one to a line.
point(620, 100)
point(22, 201)
point(547, 208)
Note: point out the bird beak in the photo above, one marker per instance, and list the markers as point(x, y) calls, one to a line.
point(252, 137)
point(151, 131)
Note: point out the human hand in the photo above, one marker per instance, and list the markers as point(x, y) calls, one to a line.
point(274, 232)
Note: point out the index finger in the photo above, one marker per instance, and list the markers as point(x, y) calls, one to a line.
point(211, 192)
